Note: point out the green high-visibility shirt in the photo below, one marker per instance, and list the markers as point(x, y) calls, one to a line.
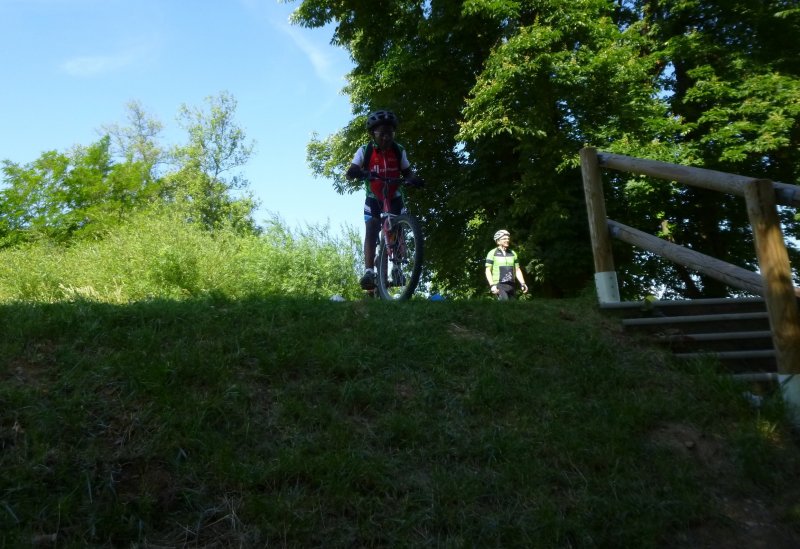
point(503, 264)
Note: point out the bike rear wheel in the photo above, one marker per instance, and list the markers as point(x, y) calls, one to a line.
point(400, 259)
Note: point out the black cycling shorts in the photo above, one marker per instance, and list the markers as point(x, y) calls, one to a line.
point(373, 207)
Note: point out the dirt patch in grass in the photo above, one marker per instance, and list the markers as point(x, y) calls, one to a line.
point(34, 364)
point(742, 521)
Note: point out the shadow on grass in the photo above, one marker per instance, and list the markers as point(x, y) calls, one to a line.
point(307, 423)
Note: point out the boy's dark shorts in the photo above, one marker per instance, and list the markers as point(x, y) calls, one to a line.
point(373, 207)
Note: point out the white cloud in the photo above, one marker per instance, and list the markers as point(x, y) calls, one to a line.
point(97, 64)
point(321, 61)
point(327, 66)
point(251, 4)
point(50, 3)
point(262, 6)
point(92, 65)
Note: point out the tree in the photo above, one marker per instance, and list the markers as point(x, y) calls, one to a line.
point(28, 205)
point(137, 146)
point(419, 60)
point(59, 196)
point(730, 79)
point(216, 146)
point(498, 96)
point(64, 196)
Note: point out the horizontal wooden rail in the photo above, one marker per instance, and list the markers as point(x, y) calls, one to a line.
point(723, 336)
point(788, 195)
point(728, 355)
point(671, 303)
point(720, 270)
point(693, 319)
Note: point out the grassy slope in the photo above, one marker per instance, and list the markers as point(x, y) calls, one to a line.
point(307, 423)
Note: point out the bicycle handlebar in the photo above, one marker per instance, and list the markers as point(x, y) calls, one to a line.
point(408, 182)
point(400, 180)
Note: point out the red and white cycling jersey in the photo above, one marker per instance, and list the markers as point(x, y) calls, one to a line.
point(386, 164)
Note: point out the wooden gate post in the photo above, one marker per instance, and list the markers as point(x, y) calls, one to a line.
point(605, 277)
point(778, 288)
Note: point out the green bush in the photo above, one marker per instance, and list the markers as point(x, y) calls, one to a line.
point(158, 255)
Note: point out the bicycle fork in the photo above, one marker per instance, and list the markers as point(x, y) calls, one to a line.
point(394, 249)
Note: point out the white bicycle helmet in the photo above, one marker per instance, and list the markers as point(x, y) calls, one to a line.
point(379, 118)
point(500, 234)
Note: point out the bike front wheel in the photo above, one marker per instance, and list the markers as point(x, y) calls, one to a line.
point(400, 259)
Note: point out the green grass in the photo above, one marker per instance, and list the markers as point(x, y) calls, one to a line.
point(288, 422)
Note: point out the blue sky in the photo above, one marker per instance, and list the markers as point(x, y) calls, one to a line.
point(69, 67)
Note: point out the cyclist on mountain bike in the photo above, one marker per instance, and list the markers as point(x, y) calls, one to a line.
point(386, 158)
point(502, 265)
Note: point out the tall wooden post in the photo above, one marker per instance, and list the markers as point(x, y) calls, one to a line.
point(605, 277)
point(773, 261)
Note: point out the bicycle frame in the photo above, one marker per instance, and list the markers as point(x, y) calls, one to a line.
point(400, 249)
point(387, 216)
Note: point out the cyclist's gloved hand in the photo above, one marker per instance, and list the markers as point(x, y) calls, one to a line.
point(354, 172)
point(415, 181)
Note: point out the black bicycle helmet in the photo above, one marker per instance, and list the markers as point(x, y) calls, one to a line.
point(379, 118)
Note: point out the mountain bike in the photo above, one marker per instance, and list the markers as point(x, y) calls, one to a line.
point(398, 257)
